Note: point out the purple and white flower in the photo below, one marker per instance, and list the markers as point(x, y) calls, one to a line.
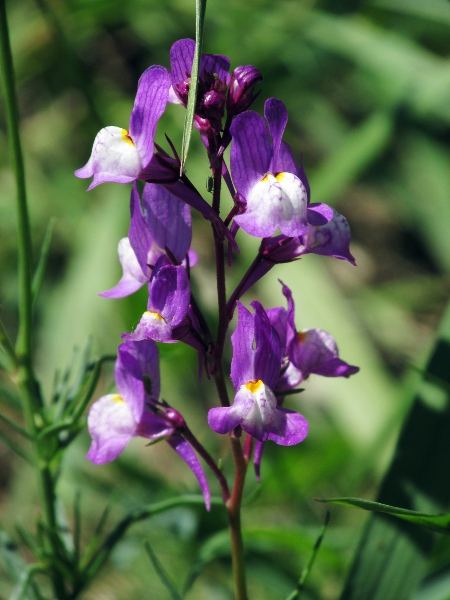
point(268, 182)
point(134, 411)
point(311, 351)
point(255, 369)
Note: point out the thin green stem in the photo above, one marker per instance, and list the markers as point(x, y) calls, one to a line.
point(32, 400)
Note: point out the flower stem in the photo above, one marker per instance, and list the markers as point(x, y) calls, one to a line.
point(31, 396)
point(234, 520)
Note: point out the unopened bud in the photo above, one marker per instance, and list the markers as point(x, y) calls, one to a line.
point(240, 93)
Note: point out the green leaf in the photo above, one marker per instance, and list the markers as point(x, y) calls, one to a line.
point(43, 259)
point(304, 576)
point(162, 574)
point(439, 523)
point(392, 556)
point(200, 9)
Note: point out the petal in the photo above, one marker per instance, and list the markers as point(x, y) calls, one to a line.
point(257, 408)
point(251, 151)
point(183, 449)
point(216, 64)
point(295, 429)
point(169, 293)
point(278, 202)
point(331, 238)
point(276, 117)
point(286, 162)
point(111, 426)
point(140, 236)
point(315, 351)
point(168, 219)
point(149, 105)
point(181, 58)
point(114, 158)
point(132, 279)
point(243, 341)
point(152, 326)
point(141, 360)
point(268, 350)
point(223, 419)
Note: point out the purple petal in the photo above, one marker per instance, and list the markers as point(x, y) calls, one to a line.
point(215, 64)
point(223, 419)
point(315, 351)
point(251, 151)
point(276, 117)
point(139, 234)
point(168, 219)
point(295, 429)
point(331, 238)
point(132, 279)
point(257, 457)
point(169, 293)
point(149, 105)
point(319, 214)
point(243, 340)
point(111, 425)
point(278, 320)
point(268, 350)
point(142, 360)
point(184, 450)
point(153, 427)
point(181, 58)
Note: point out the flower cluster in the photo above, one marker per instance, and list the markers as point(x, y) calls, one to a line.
point(271, 198)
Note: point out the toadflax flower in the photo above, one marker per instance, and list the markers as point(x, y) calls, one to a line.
point(168, 304)
point(121, 155)
point(271, 187)
point(135, 411)
point(161, 226)
point(255, 368)
point(311, 351)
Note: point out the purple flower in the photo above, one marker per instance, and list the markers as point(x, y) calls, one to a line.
point(161, 226)
point(266, 177)
point(328, 234)
point(242, 84)
point(168, 304)
point(305, 352)
point(121, 155)
point(255, 368)
point(135, 411)
point(212, 85)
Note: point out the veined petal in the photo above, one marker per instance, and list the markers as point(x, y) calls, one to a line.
point(150, 103)
point(251, 151)
point(276, 117)
point(275, 202)
point(114, 158)
point(133, 278)
point(181, 57)
point(111, 426)
point(139, 360)
point(168, 219)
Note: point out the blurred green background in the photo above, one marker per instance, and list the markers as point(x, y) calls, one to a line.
point(367, 87)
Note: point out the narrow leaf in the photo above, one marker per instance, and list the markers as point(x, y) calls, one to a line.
point(43, 259)
point(162, 574)
point(439, 523)
point(306, 571)
point(200, 9)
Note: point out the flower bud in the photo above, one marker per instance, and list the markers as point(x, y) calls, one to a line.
point(240, 93)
